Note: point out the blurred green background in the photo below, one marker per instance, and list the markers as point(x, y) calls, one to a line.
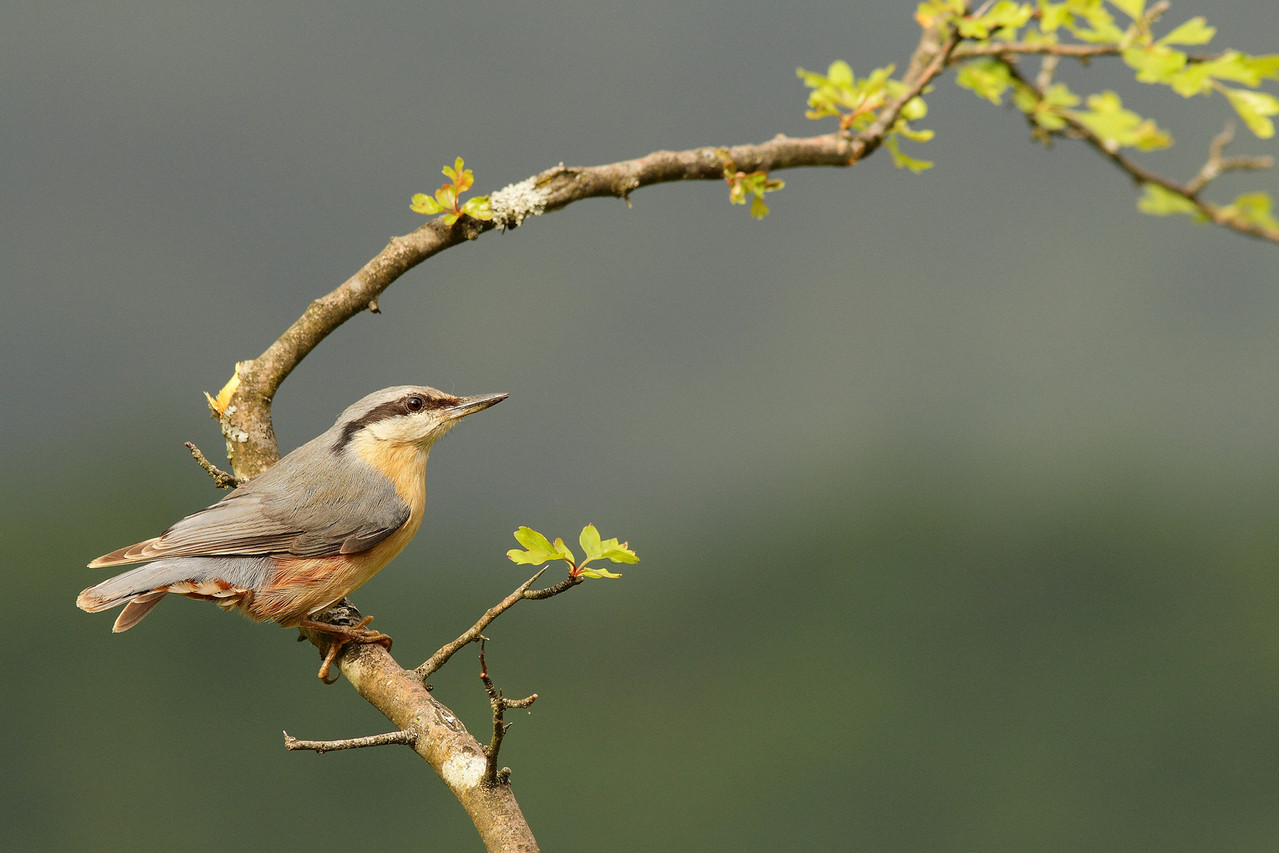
point(954, 493)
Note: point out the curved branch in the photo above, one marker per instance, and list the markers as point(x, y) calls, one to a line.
point(251, 444)
point(246, 421)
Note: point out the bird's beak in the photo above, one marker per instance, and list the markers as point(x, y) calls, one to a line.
point(470, 405)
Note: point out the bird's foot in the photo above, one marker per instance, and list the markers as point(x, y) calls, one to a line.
point(343, 634)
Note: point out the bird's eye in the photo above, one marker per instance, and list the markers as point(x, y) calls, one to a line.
point(414, 404)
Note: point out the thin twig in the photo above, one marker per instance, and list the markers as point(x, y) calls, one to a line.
point(1218, 164)
point(1155, 12)
point(476, 631)
point(323, 746)
point(1140, 175)
point(1010, 48)
point(499, 704)
point(547, 592)
point(221, 478)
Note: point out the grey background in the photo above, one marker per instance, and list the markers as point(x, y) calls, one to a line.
point(953, 492)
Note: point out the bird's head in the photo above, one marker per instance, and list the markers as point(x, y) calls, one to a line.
point(406, 415)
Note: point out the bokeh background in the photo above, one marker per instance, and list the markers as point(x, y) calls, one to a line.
point(954, 493)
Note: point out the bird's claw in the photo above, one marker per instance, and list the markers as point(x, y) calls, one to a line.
point(343, 634)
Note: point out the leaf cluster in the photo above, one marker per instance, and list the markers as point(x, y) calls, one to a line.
point(446, 197)
point(743, 185)
point(1155, 59)
point(538, 550)
point(997, 33)
point(856, 103)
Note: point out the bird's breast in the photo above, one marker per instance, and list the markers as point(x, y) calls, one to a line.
point(300, 587)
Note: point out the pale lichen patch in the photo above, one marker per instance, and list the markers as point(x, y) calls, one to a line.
point(512, 203)
point(463, 770)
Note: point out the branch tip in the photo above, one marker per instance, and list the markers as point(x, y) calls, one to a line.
point(221, 478)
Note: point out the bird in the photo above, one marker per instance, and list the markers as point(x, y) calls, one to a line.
point(302, 535)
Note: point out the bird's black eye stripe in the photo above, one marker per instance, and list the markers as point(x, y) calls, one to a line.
point(409, 404)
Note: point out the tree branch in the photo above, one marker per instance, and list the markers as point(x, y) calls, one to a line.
point(251, 444)
point(435, 734)
point(323, 746)
point(1217, 214)
point(1218, 164)
point(246, 421)
point(1012, 48)
point(476, 631)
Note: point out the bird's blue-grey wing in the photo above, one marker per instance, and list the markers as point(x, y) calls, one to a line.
point(276, 513)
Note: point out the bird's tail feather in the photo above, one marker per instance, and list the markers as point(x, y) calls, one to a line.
point(226, 580)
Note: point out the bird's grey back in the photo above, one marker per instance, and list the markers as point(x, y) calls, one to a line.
point(313, 502)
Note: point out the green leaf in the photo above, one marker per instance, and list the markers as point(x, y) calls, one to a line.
point(930, 10)
point(1053, 16)
point(618, 553)
point(811, 78)
point(1005, 16)
point(914, 109)
point(1118, 127)
point(1194, 31)
point(922, 135)
point(590, 541)
point(840, 74)
point(423, 203)
point(1254, 108)
point(754, 185)
point(902, 161)
point(1253, 69)
point(478, 208)
point(599, 573)
point(1198, 77)
point(537, 549)
point(564, 553)
point(1132, 8)
point(1059, 95)
point(1158, 201)
point(1253, 209)
point(986, 78)
point(457, 168)
point(607, 549)
point(1089, 21)
point(1156, 64)
point(1045, 111)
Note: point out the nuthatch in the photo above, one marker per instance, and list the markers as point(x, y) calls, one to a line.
point(303, 534)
